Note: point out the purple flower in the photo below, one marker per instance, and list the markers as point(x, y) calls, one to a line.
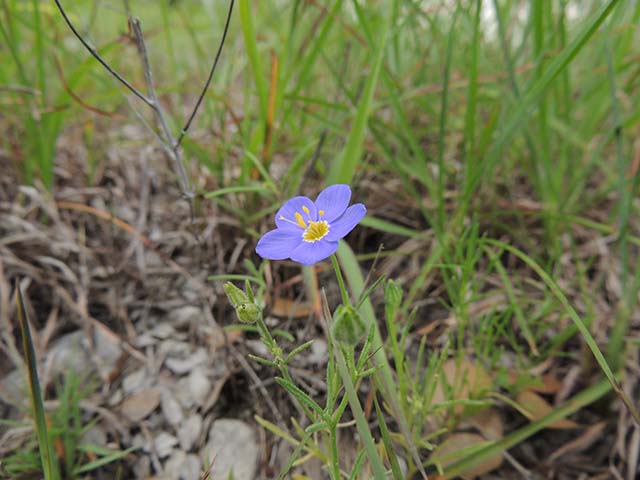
point(309, 231)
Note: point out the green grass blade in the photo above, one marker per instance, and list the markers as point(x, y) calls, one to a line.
point(616, 350)
point(247, 13)
point(442, 122)
point(582, 328)
point(511, 295)
point(344, 165)
point(47, 455)
point(579, 401)
point(352, 272)
point(533, 95)
point(103, 460)
point(319, 42)
point(470, 120)
point(389, 227)
point(388, 443)
point(237, 189)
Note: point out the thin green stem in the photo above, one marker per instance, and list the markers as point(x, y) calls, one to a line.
point(335, 460)
point(379, 472)
point(343, 288)
point(264, 331)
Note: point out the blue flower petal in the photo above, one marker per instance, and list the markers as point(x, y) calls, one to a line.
point(334, 200)
point(310, 253)
point(278, 244)
point(340, 227)
point(289, 209)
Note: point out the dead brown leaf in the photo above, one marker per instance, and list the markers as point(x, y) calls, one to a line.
point(489, 423)
point(455, 448)
point(139, 405)
point(287, 308)
point(535, 407)
point(548, 384)
point(466, 379)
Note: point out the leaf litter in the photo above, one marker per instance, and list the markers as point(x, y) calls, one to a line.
point(123, 285)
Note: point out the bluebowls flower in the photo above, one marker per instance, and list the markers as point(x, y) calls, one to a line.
point(307, 231)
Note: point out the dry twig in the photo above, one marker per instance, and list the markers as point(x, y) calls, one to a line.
point(170, 144)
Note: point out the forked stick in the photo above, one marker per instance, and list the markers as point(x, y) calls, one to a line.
point(168, 141)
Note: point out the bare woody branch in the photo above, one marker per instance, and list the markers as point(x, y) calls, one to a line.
point(211, 72)
point(97, 56)
point(170, 145)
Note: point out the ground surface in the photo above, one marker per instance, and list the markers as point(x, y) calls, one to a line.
point(497, 154)
point(116, 277)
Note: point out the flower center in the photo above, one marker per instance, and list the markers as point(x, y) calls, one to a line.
point(315, 231)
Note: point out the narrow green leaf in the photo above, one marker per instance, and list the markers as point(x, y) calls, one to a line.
point(237, 189)
point(300, 395)
point(106, 459)
point(582, 328)
point(247, 14)
point(579, 401)
point(389, 227)
point(527, 105)
point(47, 455)
point(388, 444)
point(385, 374)
point(344, 165)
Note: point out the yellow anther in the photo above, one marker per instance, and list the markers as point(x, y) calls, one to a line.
point(300, 220)
point(316, 231)
point(321, 213)
point(305, 209)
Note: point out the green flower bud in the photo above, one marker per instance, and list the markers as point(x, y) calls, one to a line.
point(248, 312)
point(392, 299)
point(236, 296)
point(392, 295)
point(348, 327)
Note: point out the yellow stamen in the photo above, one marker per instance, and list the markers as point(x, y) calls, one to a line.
point(300, 220)
point(316, 231)
point(305, 210)
point(321, 213)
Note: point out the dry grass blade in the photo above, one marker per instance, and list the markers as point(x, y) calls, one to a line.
point(590, 435)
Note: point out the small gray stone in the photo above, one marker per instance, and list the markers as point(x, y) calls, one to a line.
point(171, 409)
point(116, 398)
point(134, 381)
point(199, 385)
point(69, 352)
point(164, 443)
point(180, 366)
point(319, 352)
point(232, 447)
point(186, 316)
point(191, 468)
point(258, 348)
point(162, 331)
point(13, 388)
point(108, 349)
point(95, 436)
point(181, 466)
point(142, 467)
point(138, 441)
point(173, 467)
point(189, 431)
